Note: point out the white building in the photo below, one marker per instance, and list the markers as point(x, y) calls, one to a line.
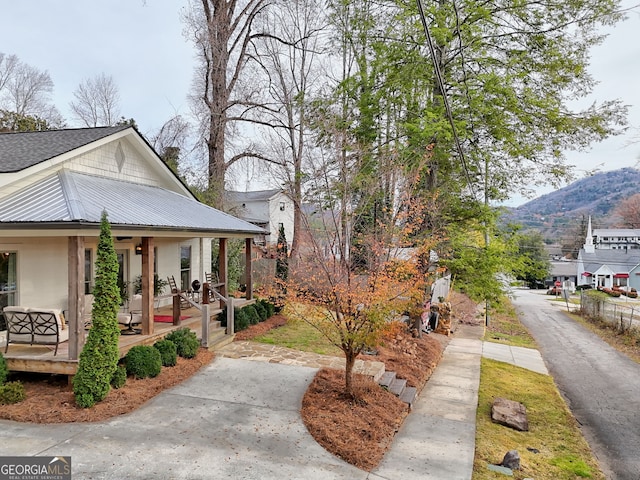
point(268, 209)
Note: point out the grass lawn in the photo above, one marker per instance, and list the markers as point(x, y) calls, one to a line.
point(552, 449)
point(300, 335)
point(505, 328)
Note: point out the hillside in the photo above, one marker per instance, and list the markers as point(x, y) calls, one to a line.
point(554, 214)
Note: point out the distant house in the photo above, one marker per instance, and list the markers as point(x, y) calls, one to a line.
point(268, 209)
point(554, 252)
point(609, 258)
point(616, 238)
point(564, 272)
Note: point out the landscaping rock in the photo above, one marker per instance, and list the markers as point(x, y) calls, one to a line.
point(500, 469)
point(510, 414)
point(511, 460)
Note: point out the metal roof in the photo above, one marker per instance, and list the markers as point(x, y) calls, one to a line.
point(72, 198)
point(20, 150)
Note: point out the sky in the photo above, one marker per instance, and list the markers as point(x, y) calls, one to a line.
point(141, 44)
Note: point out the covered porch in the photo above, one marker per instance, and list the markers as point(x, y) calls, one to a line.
point(41, 358)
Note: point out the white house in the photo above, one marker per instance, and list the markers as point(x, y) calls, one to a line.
point(616, 238)
point(54, 186)
point(607, 259)
point(268, 209)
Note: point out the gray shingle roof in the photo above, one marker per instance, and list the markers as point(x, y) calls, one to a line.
point(73, 198)
point(235, 197)
point(20, 150)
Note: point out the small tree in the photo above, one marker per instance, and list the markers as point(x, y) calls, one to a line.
point(99, 358)
point(282, 260)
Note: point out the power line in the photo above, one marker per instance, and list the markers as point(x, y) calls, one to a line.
point(445, 100)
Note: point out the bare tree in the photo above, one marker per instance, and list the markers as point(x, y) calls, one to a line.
point(290, 58)
point(222, 31)
point(96, 102)
point(628, 211)
point(8, 64)
point(171, 141)
point(26, 91)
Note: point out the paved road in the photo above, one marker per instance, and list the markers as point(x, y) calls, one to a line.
point(601, 386)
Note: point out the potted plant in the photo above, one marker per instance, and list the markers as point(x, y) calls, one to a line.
point(159, 284)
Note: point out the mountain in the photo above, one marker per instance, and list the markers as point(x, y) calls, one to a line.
point(554, 214)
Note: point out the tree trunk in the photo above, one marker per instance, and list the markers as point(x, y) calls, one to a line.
point(350, 360)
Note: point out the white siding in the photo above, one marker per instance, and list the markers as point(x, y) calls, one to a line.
point(42, 265)
point(278, 216)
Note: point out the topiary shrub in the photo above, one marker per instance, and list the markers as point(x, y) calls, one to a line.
point(252, 315)
point(12, 392)
point(241, 320)
point(262, 311)
point(4, 370)
point(143, 361)
point(99, 358)
point(168, 352)
point(119, 377)
point(186, 341)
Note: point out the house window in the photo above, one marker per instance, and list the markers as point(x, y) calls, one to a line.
point(282, 206)
point(8, 279)
point(88, 264)
point(185, 267)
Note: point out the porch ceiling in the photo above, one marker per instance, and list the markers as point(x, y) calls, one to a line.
point(74, 200)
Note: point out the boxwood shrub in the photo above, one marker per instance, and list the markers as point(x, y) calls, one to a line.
point(241, 320)
point(261, 309)
point(143, 361)
point(168, 352)
point(252, 315)
point(186, 341)
point(12, 392)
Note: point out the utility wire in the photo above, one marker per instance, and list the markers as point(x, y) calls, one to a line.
point(445, 100)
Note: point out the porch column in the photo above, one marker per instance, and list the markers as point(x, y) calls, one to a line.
point(75, 305)
point(147, 285)
point(223, 266)
point(248, 271)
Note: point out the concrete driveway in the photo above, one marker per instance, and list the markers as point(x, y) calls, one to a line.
point(236, 419)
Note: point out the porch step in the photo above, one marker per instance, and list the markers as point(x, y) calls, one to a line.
point(398, 386)
point(218, 338)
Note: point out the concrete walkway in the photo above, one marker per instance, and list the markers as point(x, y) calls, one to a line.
point(528, 358)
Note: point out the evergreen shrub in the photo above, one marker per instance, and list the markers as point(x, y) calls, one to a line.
point(270, 307)
point(119, 377)
point(252, 315)
point(99, 358)
point(168, 352)
point(4, 370)
point(241, 320)
point(186, 341)
point(262, 311)
point(143, 361)
point(12, 392)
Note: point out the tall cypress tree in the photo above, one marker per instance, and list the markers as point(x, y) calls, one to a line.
point(99, 358)
point(282, 261)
